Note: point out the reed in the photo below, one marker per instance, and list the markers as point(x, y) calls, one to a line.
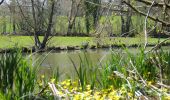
point(18, 77)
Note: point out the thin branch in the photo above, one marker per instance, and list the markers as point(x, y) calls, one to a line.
point(145, 28)
point(1, 2)
point(23, 15)
point(134, 67)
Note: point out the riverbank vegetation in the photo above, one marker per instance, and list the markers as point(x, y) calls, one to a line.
point(124, 76)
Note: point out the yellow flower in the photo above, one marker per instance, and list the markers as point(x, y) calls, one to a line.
point(87, 93)
point(116, 98)
point(63, 83)
point(77, 97)
point(97, 95)
point(130, 94)
point(42, 76)
point(165, 90)
point(167, 97)
point(88, 87)
point(112, 93)
point(40, 84)
point(149, 83)
point(52, 80)
point(75, 89)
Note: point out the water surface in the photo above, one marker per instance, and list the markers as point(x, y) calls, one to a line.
point(62, 59)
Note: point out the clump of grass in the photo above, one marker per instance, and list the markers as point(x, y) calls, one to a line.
point(115, 63)
point(86, 72)
point(18, 77)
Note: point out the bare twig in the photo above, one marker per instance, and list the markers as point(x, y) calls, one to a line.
point(163, 85)
point(101, 30)
point(145, 27)
point(144, 82)
point(158, 45)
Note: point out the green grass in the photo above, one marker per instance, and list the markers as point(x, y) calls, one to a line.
point(18, 76)
point(27, 41)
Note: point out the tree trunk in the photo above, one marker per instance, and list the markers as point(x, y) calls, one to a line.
point(36, 33)
point(47, 34)
point(128, 17)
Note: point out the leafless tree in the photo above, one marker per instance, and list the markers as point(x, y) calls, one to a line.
point(162, 7)
point(39, 17)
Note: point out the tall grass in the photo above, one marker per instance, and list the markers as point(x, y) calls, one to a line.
point(86, 72)
point(17, 76)
point(134, 72)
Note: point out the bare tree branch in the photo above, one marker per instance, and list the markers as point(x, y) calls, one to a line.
point(1, 2)
point(145, 28)
point(150, 17)
point(156, 4)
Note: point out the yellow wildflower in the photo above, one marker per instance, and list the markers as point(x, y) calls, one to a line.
point(77, 97)
point(167, 97)
point(88, 87)
point(149, 83)
point(52, 80)
point(42, 76)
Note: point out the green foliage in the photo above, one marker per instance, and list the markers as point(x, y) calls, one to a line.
point(114, 64)
point(123, 76)
point(18, 77)
point(86, 72)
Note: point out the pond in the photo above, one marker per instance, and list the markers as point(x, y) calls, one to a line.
point(62, 60)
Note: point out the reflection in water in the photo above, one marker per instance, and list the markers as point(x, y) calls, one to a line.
point(62, 60)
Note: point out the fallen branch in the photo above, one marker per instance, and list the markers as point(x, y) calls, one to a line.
point(56, 93)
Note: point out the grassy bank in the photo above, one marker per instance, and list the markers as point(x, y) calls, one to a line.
point(27, 41)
